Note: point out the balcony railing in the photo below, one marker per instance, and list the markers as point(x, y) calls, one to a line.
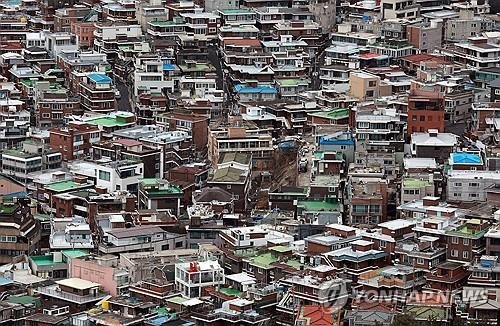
point(55, 292)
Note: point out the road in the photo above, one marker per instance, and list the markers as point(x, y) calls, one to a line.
point(304, 178)
point(123, 103)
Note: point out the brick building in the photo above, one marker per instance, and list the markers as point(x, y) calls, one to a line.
point(74, 141)
point(425, 111)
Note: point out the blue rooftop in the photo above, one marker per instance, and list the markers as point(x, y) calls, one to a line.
point(20, 194)
point(466, 158)
point(268, 89)
point(168, 67)
point(325, 140)
point(99, 78)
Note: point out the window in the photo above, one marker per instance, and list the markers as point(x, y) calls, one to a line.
point(454, 240)
point(228, 187)
point(454, 253)
point(465, 255)
point(420, 261)
point(104, 175)
point(473, 195)
point(473, 184)
point(372, 83)
point(383, 244)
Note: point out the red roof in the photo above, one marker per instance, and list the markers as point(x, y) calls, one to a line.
point(369, 55)
point(243, 42)
point(128, 142)
point(417, 58)
point(319, 315)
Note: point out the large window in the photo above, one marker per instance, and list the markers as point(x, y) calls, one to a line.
point(104, 175)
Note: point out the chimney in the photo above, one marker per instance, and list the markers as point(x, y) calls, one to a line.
point(101, 190)
point(80, 179)
point(430, 201)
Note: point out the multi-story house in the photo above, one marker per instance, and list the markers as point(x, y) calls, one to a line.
point(139, 239)
point(56, 43)
point(149, 76)
point(238, 139)
point(20, 232)
point(466, 242)
point(74, 141)
point(158, 195)
point(32, 157)
point(113, 279)
point(108, 35)
point(470, 185)
point(392, 9)
point(476, 53)
point(395, 283)
point(200, 22)
point(237, 311)
point(193, 277)
point(110, 175)
point(367, 201)
point(433, 144)
point(195, 125)
point(74, 293)
point(425, 111)
point(122, 149)
point(97, 93)
point(318, 289)
point(52, 106)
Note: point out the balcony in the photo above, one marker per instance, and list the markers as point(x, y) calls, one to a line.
point(54, 292)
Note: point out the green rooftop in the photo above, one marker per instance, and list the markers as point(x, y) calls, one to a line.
point(177, 300)
point(44, 260)
point(319, 205)
point(110, 121)
point(18, 153)
point(154, 187)
point(25, 300)
point(414, 183)
point(264, 260)
point(7, 209)
point(236, 11)
point(75, 253)
point(464, 230)
point(228, 291)
point(320, 155)
point(64, 186)
point(280, 249)
point(198, 67)
point(293, 82)
point(334, 114)
point(228, 174)
point(427, 313)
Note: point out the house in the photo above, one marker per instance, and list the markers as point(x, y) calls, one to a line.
point(140, 238)
point(74, 293)
point(192, 277)
point(433, 144)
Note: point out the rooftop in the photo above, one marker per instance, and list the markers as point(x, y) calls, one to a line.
point(334, 114)
point(319, 205)
point(66, 185)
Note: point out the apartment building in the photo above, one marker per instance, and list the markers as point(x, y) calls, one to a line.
point(74, 141)
point(476, 53)
point(195, 125)
point(425, 36)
